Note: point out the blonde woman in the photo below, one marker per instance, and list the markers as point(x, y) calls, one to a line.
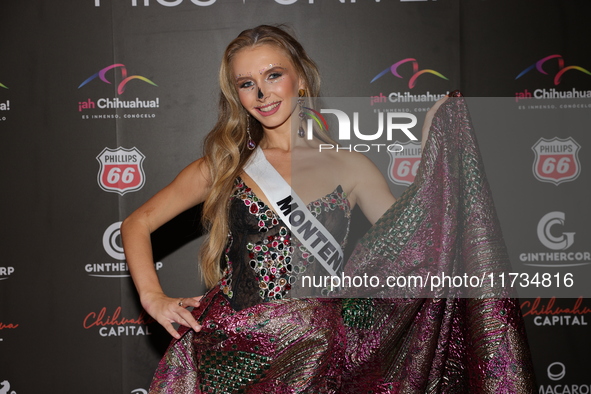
point(249, 333)
point(270, 341)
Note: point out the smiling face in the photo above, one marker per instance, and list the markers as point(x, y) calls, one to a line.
point(266, 82)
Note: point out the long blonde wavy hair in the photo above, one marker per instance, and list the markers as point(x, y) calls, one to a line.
point(225, 149)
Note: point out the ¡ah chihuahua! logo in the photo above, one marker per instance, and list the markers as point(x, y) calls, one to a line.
point(137, 106)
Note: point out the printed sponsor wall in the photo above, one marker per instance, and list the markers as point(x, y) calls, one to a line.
point(103, 102)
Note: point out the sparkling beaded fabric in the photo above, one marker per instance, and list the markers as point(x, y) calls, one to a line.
point(445, 222)
point(255, 340)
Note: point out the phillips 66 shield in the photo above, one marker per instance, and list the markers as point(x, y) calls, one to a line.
point(121, 170)
point(404, 164)
point(557, 160)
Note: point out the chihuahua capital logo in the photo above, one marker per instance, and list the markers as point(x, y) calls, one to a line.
point(539, 66)
point(415, 72)
point(124, 78)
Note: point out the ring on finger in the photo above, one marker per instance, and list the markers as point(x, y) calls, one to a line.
point(181, 302)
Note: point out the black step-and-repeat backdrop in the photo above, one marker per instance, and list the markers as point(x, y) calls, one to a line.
point(103, 102)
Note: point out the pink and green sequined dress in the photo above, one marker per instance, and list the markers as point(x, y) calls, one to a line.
point(256, 340)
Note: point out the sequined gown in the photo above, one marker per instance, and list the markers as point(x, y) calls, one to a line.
point(254, 338)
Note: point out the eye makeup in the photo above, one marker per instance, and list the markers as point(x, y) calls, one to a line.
point(244, 81)
point(274, 73)
point(262, 70)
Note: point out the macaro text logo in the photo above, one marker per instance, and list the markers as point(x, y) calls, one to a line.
point(415, 72)
point(539, 66)
point(121, 170)
point(556, 160)
point(405, 163)
point(556, 371)
point(124, 78)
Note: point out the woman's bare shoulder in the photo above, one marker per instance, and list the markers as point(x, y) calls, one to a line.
point(353, 162)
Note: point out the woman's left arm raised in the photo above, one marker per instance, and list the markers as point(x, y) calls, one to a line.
point(370, 190)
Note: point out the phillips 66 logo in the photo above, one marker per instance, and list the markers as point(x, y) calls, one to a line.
point(557, 160)
point(121, 170)
point(404, 164)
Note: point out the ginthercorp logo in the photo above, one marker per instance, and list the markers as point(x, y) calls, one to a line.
point(561, 242)
point(114, 248)
point(111, 241)
point(5, 388)
point(137, 106)
point(404, 164)
point(552, 234)
point(5, 272)
point(121, 170)
point(556, 160)
point(541, 67)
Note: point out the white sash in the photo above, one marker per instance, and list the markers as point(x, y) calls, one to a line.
point(294, 213)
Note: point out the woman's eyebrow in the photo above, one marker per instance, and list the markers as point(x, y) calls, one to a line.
point(243, 76)
point(271, 67)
